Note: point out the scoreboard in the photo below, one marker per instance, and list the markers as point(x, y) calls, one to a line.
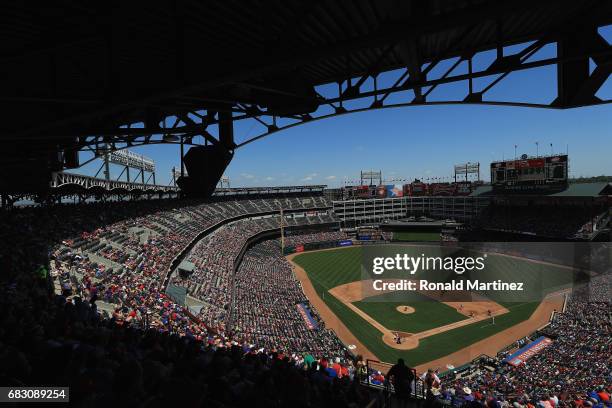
point(362, 192)
point(530, 173)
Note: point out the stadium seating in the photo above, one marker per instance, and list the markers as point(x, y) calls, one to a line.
point(265, 310)
point(574, 371)
point(546, 221)
point(322, 236)
point(83, 304)
point(145, 349)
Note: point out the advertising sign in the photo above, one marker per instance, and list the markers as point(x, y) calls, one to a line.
point(441, 189)
point(395, 190)
point(526, 352)
point(418, 188)
point(362, 192)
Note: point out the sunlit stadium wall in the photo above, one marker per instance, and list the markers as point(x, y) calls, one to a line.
point(375, 210)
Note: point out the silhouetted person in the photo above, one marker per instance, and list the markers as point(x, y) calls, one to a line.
point(402, 378)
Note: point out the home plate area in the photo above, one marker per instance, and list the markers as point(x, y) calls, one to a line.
point(427, 317)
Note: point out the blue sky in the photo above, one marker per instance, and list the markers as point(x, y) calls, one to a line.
point(420, 141)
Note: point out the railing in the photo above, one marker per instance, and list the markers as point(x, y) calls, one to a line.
point(417, 386)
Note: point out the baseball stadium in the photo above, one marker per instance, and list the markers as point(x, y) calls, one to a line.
point(161, 245)
point(432, 331)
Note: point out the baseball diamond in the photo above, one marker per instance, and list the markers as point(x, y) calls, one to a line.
point(438, 331)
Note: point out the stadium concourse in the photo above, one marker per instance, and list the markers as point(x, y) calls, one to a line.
point(83, 304)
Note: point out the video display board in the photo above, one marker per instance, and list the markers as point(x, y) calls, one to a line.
point(530, 173)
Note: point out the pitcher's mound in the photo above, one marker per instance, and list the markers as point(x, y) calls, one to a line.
point(405, 309)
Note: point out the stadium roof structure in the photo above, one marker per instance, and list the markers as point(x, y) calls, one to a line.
point(269, 190)
point(103, 76)
point(573, 190)
point(585, 190)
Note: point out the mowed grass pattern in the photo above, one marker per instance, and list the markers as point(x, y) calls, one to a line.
point(428, 313)
point(328, 269)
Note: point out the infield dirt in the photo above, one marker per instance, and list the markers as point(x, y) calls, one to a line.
point(489, 346)
point(474, 311)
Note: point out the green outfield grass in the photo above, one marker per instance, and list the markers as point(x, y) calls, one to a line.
point(328, 269)
point(416, 236)
point(427, 315)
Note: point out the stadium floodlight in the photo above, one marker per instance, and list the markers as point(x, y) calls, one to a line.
point(127, 160)
point(465, 169)
point(133, 160)
point(224, 182)
point(371, 176)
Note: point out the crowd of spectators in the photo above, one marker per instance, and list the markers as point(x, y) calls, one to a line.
point(134, 256)
point(120, 253)
point(214, 256)
point(51, 340)
point(124, 259)
point(59, 336)
point(576, 370)
point(593, 225)
point(149, 351)
point(562, 221)
point(265, 309)
point(312, 236)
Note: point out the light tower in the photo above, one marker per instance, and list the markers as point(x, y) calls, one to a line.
point(128, 160)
